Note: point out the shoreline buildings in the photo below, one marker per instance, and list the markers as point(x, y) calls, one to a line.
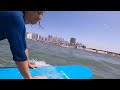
point(59, 41)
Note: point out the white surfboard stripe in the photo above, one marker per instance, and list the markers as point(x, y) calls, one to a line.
point(65, 75)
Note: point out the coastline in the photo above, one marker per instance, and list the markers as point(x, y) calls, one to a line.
point(61, 42)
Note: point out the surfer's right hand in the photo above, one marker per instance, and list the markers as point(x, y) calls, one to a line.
point(39, 77)
point(32, 65)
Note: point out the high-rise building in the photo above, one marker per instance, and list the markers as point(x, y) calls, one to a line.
point(50, 38)
point(72, 41)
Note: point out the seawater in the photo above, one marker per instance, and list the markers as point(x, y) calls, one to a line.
point(103, 66)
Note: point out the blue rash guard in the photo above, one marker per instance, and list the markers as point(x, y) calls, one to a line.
point(12, 28)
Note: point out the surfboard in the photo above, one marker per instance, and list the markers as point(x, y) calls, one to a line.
point(52, 72)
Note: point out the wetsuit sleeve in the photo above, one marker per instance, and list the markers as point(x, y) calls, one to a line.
point(25, 45)
point(16, 38)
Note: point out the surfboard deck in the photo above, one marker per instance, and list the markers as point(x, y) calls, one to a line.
point(52, 72)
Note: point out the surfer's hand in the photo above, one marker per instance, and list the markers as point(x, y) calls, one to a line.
point(33, 66)
point(39, 77)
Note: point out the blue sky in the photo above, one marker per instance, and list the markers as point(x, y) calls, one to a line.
point(95, 29)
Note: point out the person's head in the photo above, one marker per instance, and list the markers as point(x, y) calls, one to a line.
point(32, 17)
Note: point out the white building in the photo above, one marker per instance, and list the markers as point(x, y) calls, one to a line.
point(29, 35)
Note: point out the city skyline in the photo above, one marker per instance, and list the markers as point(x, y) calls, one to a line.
point(95, 29)
point(36, 37)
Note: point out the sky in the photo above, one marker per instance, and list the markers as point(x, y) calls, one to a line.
point(95, 29)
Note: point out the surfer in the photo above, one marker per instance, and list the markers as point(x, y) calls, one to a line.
point(12, 28)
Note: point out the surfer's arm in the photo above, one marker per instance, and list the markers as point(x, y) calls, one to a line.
point(29, 64)
point(27, 54)
point(23, 68)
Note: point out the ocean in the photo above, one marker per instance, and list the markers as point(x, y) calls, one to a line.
point(102, 66)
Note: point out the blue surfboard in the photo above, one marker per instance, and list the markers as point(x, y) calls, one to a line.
point(52, 72)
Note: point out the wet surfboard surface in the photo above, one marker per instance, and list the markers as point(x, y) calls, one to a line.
point(52, 72)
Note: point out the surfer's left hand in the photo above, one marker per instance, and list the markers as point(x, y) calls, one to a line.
point(33, 66)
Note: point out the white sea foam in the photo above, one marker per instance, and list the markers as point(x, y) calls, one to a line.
point(39, 63)
point(50, 72)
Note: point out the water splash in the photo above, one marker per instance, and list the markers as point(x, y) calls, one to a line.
point(50, 71)
point(39, 63)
